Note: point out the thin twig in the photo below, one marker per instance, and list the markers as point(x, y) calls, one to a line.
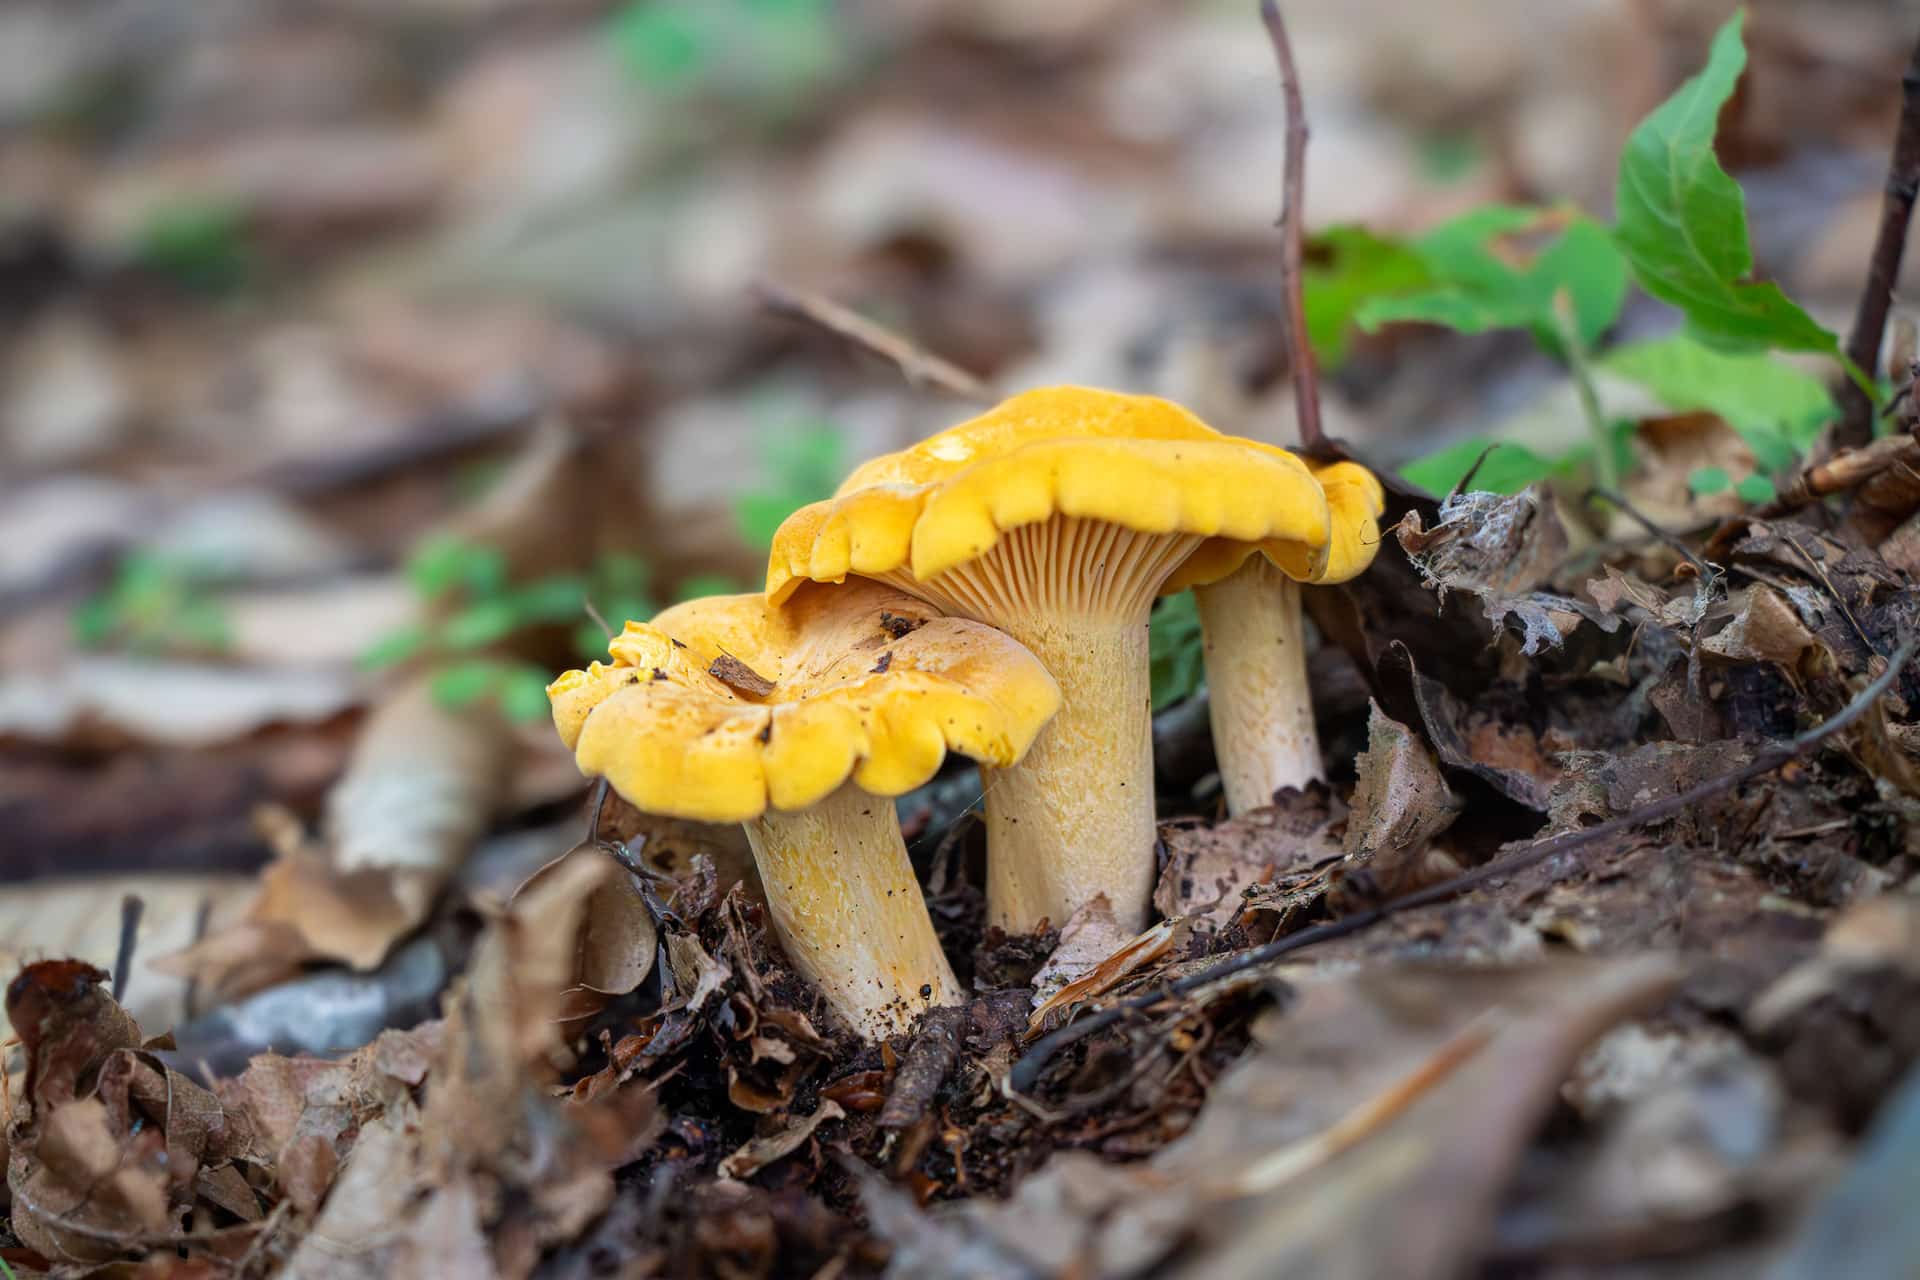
point(920, 368)
point(1306, 370)
point(1026, 1072)
point(132, 907)
point(1668, 540)
point(1883, 271)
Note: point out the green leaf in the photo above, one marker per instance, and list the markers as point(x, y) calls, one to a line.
point(1508, 468)
point(1778, 410)
point(1755, 489)
point(522, 692)
point(464, 683)
point(444, 563)
point(1346, 267)
point(479, 625)
point(1682, 221)
point(95, 621)
point(1177, 658)
point(556, 599)
point(199, 243)
point(1707, 481)
point(396, 647)
point(661, 45)
point(1478, 289)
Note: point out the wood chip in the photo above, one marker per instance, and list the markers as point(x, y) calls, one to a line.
point(739, 677)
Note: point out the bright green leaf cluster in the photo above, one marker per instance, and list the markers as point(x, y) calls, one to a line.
point(155, 604)
point(766, 52)
point(1346, 267)
point(200, 244)
point(1778, 410)
point(1484, 279)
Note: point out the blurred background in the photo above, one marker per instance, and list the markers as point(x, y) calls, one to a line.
point(347, 347)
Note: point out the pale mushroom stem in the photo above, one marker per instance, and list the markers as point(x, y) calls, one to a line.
point(1259, 700)
point(1076, 817)
point(849, 911)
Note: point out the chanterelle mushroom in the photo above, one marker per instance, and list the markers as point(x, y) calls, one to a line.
point(1259, 701)
point(1058, 517)
point(801, 723)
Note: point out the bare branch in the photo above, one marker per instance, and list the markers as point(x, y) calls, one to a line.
point(1306, 370)
point(1883, 271)
point(920, 368)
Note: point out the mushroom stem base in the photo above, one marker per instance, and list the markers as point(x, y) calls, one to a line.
point(849, 911)
point(1076, 817)
point(1260, 704)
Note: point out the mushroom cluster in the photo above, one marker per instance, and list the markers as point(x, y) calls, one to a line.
point(1059, 517)
point(985, 592)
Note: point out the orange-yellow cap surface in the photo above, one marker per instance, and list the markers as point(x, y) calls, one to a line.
point(1135, 461)
point(868, 683)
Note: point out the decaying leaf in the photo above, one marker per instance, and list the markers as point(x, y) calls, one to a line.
point(420, 790)
point(1399, 805)
point(1501, 550)
point(1397, 1096)
point(1207, 868)
point(761, 1152)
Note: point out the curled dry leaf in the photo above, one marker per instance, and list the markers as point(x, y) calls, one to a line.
point(761, 1152)
point(1399, 805)
point(617, 941)
point(422, 785)
point(1109, 970)
point(1501, 550)
point(1208, 868)
point(108, 1147)
point(1765, 628)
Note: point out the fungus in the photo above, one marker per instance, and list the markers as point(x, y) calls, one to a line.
point(844, 712)
point(1058, 517)
point(1259, 701)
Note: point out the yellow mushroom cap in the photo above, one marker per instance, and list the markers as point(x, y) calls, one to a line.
point(1138, 462)
point(867, 683)
point(1355, 502)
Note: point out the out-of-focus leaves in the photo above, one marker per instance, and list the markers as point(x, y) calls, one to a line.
point(1178, 663)
point(1477, 289)
point(1778, 410)
point(1683, 220)
point(1347, 266)
point(1507, 467)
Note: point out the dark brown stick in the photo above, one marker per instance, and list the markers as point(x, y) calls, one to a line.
point(920, 368)
point(1026, 1072)
point(1883, 272)
point(935, 1048)
point(1306, 370)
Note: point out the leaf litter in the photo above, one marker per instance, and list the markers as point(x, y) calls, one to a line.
point(1595, 951)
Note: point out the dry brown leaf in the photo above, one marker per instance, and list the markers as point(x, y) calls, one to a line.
point(1501, 550)
point(1765, 628)
point(1400, 803)
point(1208, 868)
point(758, 1153)
point(1108, 970)
point(617, 940)
point(1390, 1096)
point(422, 786)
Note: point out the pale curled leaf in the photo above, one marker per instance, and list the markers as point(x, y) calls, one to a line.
point(758, 1153)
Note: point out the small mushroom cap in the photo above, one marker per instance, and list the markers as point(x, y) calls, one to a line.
point(1135, 461)
point(868, 683)
point(1355, 502)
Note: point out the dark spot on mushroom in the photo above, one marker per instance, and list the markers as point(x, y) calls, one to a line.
point(926, 990)
point(895, 625)
point(676, 643)
point(886, 660)
point(766, 733)
point(658, 674)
